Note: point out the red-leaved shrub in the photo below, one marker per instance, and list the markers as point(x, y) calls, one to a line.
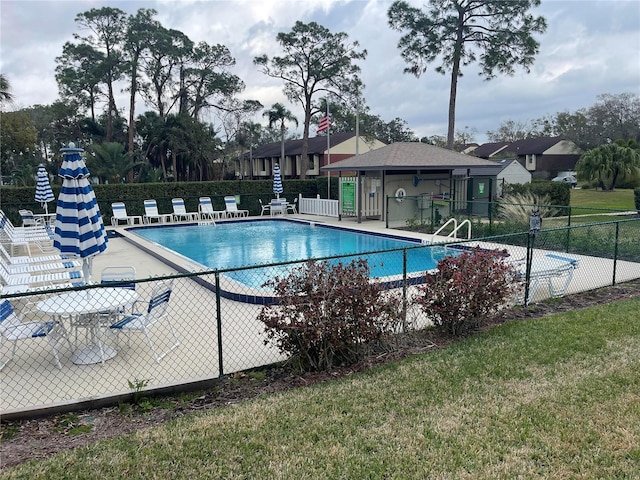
point(466, 288)
point(328, 315)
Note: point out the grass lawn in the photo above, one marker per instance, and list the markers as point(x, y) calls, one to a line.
point(621, 200)
point(557, 397)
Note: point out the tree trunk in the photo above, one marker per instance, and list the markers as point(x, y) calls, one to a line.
point(455, 72)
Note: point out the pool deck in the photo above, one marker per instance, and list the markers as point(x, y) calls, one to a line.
point(32, 382)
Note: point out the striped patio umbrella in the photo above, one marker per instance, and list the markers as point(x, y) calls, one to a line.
point(44, 194)
point(79, 229)
point(277, 181)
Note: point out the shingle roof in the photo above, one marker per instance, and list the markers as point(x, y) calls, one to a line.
point(487, 149)
point(409, 156)
point(530, 146)
point(317, 145)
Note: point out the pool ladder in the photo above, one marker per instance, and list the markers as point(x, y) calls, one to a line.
point(456, 226)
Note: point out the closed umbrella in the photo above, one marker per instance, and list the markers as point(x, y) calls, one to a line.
point(79, 229)
point(277, 181)
point(44, 194)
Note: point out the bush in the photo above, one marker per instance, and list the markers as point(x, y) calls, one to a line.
point(517, 207)
point(559, 193)
point(329, 315)
point(636, 198)
point(467, 288)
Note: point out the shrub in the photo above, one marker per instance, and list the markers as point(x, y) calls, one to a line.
point(517, 207)
point(636, 198)
point(467, 288)
point(329, 315)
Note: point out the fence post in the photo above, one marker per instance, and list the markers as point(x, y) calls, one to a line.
point(219, 325)
point(404, 290)
point(527, 277)
point(615, 253)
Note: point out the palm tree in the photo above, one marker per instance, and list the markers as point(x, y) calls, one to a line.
point(5, 90)
point(609, 164)
point(279, 113)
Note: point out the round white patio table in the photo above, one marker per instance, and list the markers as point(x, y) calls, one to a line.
point(89, 303)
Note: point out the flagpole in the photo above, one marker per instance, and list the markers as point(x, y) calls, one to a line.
point(328, 154)
point(357, 125)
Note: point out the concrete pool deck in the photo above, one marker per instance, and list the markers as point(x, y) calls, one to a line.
point(32, 382)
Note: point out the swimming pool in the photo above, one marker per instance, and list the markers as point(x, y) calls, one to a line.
point(229, 245)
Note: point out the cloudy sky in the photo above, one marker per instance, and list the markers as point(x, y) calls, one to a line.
point(590, 48)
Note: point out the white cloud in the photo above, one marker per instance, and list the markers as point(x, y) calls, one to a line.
point(590, 48)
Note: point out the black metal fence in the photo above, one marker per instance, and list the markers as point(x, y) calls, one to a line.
point(429, 213)
point(105, 354)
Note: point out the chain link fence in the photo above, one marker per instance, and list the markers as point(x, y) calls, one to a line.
point(428, 214)
point(203, 323)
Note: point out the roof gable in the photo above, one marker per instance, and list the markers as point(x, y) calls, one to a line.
point(409, 156)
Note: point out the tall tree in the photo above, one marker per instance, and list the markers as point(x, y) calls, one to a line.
point(207, 82)
point(513, 130)
point(497, 34)
point(136, 42)
point(168, 53)
point(610, 164)
point(279, 114)
point(315, 62)
point(5, 90)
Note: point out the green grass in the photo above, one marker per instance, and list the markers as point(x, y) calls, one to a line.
point(621, 200)
point(557, 397)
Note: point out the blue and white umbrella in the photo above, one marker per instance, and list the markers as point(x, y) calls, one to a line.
point(79, 229)
point(277, 181)
point(44, 194)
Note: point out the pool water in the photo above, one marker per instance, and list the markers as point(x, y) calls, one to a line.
point(250, 243)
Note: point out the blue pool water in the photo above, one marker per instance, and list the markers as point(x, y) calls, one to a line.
point(242, 244)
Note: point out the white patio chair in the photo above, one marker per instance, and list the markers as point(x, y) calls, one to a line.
point(206, 211)
point(232, 208)
point(264, 208)
point(151, 213)
point(292, 207)
point(156, 313)
point(28, 220)
point(119, 210)
point(13, 328)
point(277, 207)
point(180, 211)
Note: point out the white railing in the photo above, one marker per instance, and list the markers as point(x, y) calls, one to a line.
point(318, 206)
point(456, 226)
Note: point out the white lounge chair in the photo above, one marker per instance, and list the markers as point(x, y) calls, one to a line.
point(22, 237)
point(23, 282)
point(14, 260)
point(180, 211)
point(206, 211)
point(156, 312)
point(119, 210)
point(555, 271)
point(232, 208)
point(151, 213)
point(17, 269)
point(13, 328)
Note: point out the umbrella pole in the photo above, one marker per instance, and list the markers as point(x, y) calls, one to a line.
point(87, 265)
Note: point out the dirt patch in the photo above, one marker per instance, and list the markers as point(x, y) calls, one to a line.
point(43, 437)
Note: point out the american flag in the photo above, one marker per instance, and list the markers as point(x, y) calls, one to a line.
point(324, 125)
